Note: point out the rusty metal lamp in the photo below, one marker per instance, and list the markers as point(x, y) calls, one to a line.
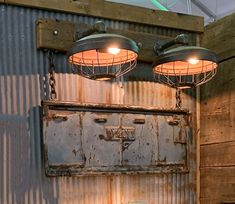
point(184, 66)
point(99, 55)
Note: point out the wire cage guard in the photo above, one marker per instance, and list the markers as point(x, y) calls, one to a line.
point(103, 56)
point(106, 69)
point(185, 66)
point(184, 80)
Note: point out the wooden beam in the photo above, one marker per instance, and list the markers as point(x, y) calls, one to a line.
point(119, 12)
point(46, 38)
point(64, 38)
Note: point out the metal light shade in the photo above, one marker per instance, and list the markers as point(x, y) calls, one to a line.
point(185, 66)
point(103, 56)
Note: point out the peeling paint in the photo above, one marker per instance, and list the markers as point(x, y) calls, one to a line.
point(116, 146)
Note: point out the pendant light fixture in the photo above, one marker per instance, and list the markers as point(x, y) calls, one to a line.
point(184, 66)
point(99, 55)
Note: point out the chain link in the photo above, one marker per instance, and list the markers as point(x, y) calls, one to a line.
point(52, 83)
point(178, 98)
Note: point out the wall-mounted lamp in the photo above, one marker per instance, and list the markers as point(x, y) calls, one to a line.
point(102, 56)
point(184, 66)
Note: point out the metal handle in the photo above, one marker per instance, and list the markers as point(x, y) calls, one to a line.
point(59, 117)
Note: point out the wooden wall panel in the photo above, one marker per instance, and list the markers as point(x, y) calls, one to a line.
point(220, 37)
point(217, 185)
point(217, 162)
point(218, 106)
point(218, 155)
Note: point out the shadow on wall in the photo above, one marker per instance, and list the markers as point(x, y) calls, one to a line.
point(21, 170)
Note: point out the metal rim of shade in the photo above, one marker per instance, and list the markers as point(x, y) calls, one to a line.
point(172, 67)
point(91, 59)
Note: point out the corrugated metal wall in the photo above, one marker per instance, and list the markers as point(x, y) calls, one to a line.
point(23, 71)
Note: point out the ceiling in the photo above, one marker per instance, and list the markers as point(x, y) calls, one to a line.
point(211, 9)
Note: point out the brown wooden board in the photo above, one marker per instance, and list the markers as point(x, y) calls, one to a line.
point(222, 154)
point(218, 200)
point(218, 106)
point(47, 39)
point(118, 11)
point(217, 185)
point(220, 37)
point(66, 32)
point(218, 117)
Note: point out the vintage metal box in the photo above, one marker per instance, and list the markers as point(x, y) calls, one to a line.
point(84, 139)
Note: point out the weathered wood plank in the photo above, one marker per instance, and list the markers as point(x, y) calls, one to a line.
point(218, 117)
point(217, 184)
point(220, 37)
point(218, 125)
point(118, 11)
point(218, 106)
point(225, 200)
point(61, 41)
point(64, 38)
point(222, 154)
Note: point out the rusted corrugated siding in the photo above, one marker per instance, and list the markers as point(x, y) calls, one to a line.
point(22, 71)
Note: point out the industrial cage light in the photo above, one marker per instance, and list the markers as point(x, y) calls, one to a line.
point(99, 55)
point(102, 56)
point(184, 66)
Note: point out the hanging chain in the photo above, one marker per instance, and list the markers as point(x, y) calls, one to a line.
point(178, 98)
point(52, 82)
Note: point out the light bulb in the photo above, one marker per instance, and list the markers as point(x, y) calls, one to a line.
point(193, 61)
point(113, 50)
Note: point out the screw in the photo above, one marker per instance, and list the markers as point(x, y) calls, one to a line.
point(55, 32)
point(139, 44)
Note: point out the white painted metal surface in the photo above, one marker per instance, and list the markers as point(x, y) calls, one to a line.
point(85, 139)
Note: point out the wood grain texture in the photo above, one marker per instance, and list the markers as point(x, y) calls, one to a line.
point(218, 106)
point(47, 39)
point(65, 37)
point(220, 37)
point(214, 155)
point(218, 118)
point(217, 185)
point(118, 11)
